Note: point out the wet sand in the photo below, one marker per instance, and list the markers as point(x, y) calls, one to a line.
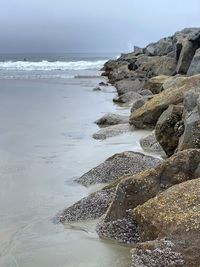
point(45, 142)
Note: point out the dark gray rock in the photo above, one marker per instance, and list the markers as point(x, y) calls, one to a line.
point(195, 64)
point(149, 143)
point(97, 88)
point(179, 38)
point(128, 57)
point(146, 92)
point(163, 47)
point(165, 128)
point(139, 103)
point(186, 56)
point(120, 164)
point(191, 119)
point(189, 46)
point(127, 97)
point(125, 86)
point(112, 119)
point(138, 50)
point(103, 84)
point(112, 130)
point(90, 207)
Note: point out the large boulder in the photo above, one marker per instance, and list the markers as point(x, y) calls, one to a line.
point(195, 64)
point(147, 116)
point(191, 118)
point(132, 191)
point(138, 50)
point(128, 57)
point(155, 84)
point(125, 86)
point(127, 97)
point(112, 119)
point(138, 103)
point(112, 130)
point(90, 207)
point(121, 73)
point(165, 130)
point(179, 38)
point(177, 218)
point(189, 46)
point(163, 47)
point(137, 189)
point(112, 64)
point(120, 164)
point(155, 66)
point(149, 143)
point(176, 80)
point(146, 92)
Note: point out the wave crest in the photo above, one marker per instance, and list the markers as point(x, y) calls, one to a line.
point(45, 65)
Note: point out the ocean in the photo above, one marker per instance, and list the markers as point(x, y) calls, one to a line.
point(47, 121)
point(47, 66)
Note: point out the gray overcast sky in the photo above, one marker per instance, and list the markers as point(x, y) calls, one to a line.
point(91, 25)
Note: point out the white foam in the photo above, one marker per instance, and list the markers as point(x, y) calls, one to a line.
point(48, 66)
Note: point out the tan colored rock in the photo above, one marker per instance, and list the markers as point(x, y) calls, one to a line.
point(148, 114)
point(155, 84)
point(176, 80)
point(131, 192)
point(174, 214)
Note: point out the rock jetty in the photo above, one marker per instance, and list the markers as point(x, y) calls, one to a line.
point(150, 204)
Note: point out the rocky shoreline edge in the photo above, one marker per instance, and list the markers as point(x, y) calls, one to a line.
point(147, 203)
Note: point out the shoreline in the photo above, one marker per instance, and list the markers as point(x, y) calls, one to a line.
point(52, 144)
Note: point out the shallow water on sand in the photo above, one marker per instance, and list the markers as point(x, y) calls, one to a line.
point(45, 141)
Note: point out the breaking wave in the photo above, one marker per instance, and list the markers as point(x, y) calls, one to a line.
point(48, 66)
